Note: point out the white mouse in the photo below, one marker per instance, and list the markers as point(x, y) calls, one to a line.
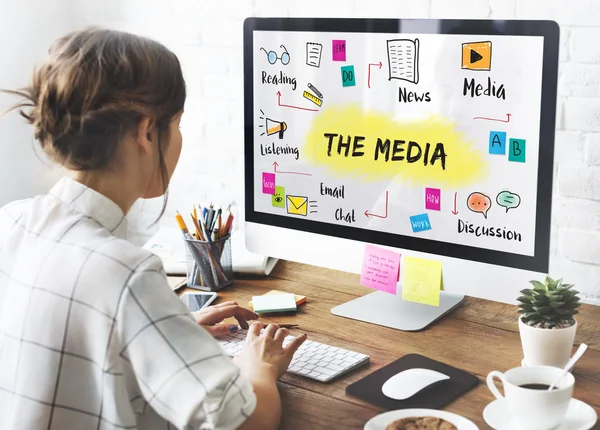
point(409, 382)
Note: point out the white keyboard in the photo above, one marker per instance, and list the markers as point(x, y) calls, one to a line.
point(313, 359)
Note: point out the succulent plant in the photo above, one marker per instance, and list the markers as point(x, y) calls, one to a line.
point(551, 304)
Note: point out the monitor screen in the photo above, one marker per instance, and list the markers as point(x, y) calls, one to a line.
point(433, 135)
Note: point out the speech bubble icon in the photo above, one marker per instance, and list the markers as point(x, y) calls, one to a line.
point(508, 200)
point(480, 203)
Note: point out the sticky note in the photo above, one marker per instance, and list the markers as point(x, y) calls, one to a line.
point(516, 150)
point(380, 269)
point(432, 198)
point(498, 142)
point(421, 281)
point(268, 183)
point(300, 299)
point(348, 77)
point(278, 197)
point(274, 303)
point(420, 223)
point(338, 50)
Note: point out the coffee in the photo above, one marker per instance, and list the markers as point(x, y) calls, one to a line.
point(542, 387)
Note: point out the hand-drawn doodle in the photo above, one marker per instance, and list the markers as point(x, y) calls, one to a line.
point(272, 56)
point(479, 203)
point(313, 54)
point(403, 59)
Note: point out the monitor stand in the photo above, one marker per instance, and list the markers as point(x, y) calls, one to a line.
point(391, 311)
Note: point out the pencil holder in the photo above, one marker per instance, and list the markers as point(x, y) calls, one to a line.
point(209, 266)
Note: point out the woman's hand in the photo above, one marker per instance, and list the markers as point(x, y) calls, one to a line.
point(264, 357)
point(210, 318)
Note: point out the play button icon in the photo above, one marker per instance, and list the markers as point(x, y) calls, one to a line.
point(475, 56)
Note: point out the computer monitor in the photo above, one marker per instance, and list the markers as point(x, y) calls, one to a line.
point(431, 138)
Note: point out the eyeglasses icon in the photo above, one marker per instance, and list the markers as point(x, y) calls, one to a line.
point(272, 56)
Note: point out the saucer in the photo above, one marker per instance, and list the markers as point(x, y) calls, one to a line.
point(579, 416)
point(381, 421)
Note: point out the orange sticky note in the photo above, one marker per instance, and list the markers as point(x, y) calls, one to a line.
point(422, 281)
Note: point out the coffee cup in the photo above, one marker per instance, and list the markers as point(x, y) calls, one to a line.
point(530, 405)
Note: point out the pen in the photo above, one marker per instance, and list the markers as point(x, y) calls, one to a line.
point(218, 217)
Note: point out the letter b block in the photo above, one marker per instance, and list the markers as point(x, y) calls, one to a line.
point(516, 150)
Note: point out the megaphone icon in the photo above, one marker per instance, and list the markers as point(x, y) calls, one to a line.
point(275, 127)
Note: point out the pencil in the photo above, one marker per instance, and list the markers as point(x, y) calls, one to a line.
point(199, 234)
point(219, 228)
point(182, 226)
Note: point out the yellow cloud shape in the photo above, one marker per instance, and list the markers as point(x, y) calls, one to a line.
point(429, 151)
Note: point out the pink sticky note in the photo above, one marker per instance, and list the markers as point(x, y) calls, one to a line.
point(338, 50)
point(268, 183)
point(380, 269)
point(432, 199)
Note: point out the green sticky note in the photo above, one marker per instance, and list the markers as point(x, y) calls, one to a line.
point(516, 150)
point(422, 281)
point(348, 77)
point(278, 199)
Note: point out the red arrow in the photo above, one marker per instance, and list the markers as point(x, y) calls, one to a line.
point(493, 119)
point(275, 164)
point(367, 214)
point(290, 106)
point(369, 74)
point(455, 212)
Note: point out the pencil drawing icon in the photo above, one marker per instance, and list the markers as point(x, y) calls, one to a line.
point(403, 59)
point(313, 54)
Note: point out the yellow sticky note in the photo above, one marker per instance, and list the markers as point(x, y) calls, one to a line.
point(422, 281)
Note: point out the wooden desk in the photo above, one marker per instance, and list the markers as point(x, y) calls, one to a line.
point(479, 337)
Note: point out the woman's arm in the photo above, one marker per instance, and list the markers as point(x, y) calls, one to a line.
point(267, 414)
point(262, 361)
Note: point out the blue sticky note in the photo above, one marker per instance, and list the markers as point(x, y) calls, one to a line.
point(348, 76)
point(498, 142)
point(420, 223)
point(516, 150)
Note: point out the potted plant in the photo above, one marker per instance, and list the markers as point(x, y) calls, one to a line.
point(547, 323)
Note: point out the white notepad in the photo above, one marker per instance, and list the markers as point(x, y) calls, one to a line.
point(274, 303)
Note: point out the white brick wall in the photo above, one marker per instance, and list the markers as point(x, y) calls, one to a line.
point(207, 36)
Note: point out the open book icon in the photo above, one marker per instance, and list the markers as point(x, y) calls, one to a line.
point(403, 59)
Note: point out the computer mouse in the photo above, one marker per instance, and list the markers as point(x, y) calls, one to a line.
point(409, 382)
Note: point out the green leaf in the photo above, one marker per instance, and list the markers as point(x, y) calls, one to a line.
point(541, 301)
point(557, 305)
point(542, 309)
point(524, 299)
point(526, 291)
point(564, 312)
point(538, 285)
point(526, 307)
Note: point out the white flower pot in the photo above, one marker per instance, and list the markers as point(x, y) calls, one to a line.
point(547, 347)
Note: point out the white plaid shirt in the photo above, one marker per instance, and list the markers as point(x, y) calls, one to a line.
point(91, 335)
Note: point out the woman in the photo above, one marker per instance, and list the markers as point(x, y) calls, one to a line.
point(91, 336)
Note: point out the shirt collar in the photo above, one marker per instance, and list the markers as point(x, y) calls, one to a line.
point(92, 204)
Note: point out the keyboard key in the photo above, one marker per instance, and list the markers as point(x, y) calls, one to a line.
point(325, 371)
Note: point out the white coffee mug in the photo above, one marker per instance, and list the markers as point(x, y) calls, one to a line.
point(534, 409)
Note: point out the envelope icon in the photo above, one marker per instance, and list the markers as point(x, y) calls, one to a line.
point(297, 205)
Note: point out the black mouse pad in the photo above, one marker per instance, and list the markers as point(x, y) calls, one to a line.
point(435, 396)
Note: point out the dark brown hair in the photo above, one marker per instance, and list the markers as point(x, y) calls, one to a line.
point(95, 86)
